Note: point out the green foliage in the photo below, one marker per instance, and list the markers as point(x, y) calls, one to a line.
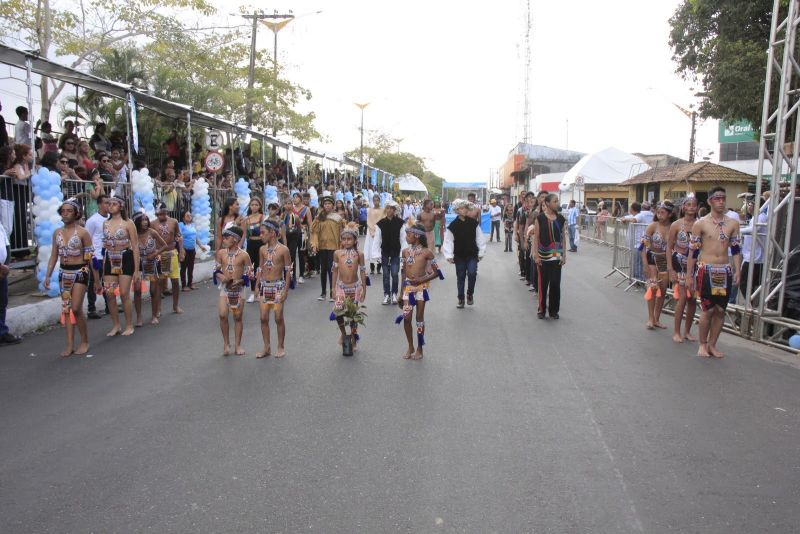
point(352, 312)
point(721, 44)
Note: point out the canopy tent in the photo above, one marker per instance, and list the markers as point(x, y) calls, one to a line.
point(409, 182)
point(463, 188)
point(609, 166)
point(548, 182)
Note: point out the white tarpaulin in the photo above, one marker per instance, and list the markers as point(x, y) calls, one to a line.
point(409, 182)
point(609, 166)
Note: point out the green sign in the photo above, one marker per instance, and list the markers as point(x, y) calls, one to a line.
point(736, 132)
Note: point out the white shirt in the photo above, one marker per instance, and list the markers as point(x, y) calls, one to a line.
point(3, 245)
point(22, 133)
point(495, 212)
point(761, 239)
point(94, 225)
point(644, 217)
point(448, 247)
point(408, 211)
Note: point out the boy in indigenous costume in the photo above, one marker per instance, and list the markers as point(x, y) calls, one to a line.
point(349, 280)
point(273, 277)
point(416, 275)
point(232, 273)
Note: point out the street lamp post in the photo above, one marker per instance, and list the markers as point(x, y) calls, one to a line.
point(361, 107)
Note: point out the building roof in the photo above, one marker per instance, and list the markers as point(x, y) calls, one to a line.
point(545, 153)
point(704, 171)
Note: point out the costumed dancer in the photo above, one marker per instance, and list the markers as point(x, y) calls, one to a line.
point(151, 245)
point(296, 220)
point(464, 245)
point(274, 274)
point(73, 247)
point(171, 258)
point(711, 238)
point(252, 224)
point(653, 249)
point(678, 249)
point(549, 254)
point(419, 267)
point(349, 279)
point(228, 216)
point(232, 273)
point(427, 218)
point(120, 263)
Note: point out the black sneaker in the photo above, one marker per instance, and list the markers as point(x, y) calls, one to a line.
point(540, 315)
point(554, 316)
point(460, 303)
point(94, 315)
point(470, 300)
point(9, 339)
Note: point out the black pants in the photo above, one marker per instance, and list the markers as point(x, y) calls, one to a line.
point(187, 268)
point(293, 242)
point(757, 267)
point(509, 241)
point(495, 227)
point(253, 250)
point(362, 227)
point(522, 256)
point(325, 258)
point(549, 277)
point(91, 296)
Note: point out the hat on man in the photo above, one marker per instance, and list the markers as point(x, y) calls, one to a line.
point(492, 201)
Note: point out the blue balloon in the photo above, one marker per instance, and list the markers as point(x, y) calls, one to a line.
point(794, 341)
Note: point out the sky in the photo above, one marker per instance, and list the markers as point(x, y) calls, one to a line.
point(446, 77)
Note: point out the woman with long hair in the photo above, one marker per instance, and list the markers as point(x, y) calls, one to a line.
point(325, 236)
point(677, 260)
point(120, 263)
point(151, 245)
point(653, 249)
point(228, 216)
point(252, 227)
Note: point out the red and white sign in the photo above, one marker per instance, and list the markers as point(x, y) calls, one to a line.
point(214, 161)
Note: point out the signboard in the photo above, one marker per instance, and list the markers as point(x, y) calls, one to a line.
point(214, 140)
point(214, 162)
point(736, 132)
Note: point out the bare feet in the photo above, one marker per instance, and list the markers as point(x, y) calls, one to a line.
point(177, 310)
point(409, 353)
point(226, 350)
point(677, 338)
point(66, 352)
point(240, 351)
point(83, 348)
point(138, 323)
point(689, 337)
point(158, 314)
point(186, 289)
point(264, 353)
point(703, 351)
point(128, 331)
point(281, 352)
point(114, 331)
point(659, 325)
point(715, 352)
point(417, 355)
point(649, 325)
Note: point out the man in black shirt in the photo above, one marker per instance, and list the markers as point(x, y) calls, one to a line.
point(464, 245)
point(386, 245)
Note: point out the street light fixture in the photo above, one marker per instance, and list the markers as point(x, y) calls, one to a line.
point(361, 107)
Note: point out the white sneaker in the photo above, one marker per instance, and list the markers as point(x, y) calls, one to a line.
point(386, 299)
point(251, 298)
point(394, 298)
point(301, 280)
point(321, 297)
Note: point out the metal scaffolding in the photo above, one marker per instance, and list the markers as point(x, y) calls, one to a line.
point(780, 139)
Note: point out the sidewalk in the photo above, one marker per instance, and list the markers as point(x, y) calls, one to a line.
point(28, 312)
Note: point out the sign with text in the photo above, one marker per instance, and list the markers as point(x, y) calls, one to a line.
point(736, 132)
point(214, 140)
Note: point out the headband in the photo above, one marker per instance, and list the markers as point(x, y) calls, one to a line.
point(668, 207)
point(718, 194)
point(138, 215)
point(230, 233)
point(352, 231)
point(112, 198)
point(415, 231)
point(74, 203)
point(271, 225)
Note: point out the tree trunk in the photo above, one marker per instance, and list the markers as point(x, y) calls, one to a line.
point(44, 35)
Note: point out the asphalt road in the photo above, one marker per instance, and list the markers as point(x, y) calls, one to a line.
point(510, 424)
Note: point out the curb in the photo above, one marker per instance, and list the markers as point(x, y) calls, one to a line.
point(29, 318)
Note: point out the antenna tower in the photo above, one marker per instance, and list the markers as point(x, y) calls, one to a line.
point(526, 119)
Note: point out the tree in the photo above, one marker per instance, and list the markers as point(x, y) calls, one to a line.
point(721, 44)
point(84, 28)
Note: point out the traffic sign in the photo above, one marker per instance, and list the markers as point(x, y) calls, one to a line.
point(214, 161)
point(214, 140)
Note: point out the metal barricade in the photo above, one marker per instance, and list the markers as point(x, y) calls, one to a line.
point(20, 235)
point(82, 191)
point(217, 195)
point(626, 260)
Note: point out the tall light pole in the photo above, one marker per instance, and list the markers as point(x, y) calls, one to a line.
point(361, 107)
point(276, 27)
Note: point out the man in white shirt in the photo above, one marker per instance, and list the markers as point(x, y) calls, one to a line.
point(6, 337)
point(753, 249)
point(494, 214)
point(94, 225)
point(22, 130)
point(408, 210)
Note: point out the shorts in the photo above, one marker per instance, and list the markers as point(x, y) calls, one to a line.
point(170, 265)
point(73, 274)
point(234, 296)
point(659, 260)
point(713, 284)
point(150, 269)
point(271, 291)
point(348, 291)
point(118, 263)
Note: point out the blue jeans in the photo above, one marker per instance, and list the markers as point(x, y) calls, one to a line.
point(572, 244)
point(466, 268)
point(3, 305)
point(391, 267)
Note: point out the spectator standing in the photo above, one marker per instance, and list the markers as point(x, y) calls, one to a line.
point(753, 249)
point(408, 210)
point(572, 225)
point(69, 133)
point(362, 218)
point(508, 226)
point(6, 338)
point(99, 142)
point(84, 157)
point(94, 225)
point(3, 131)
point(495, 214)
point(22, 130)
point(49, 143)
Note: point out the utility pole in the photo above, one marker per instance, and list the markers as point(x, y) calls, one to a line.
point(693, 116)
point(256, 17)
point(276, 27)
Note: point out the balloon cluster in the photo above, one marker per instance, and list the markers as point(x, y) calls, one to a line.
point(142, 187)
point(242, 190)
point(46, 201)
point(270, 194)
point(339, 196)
point(348, 197)
point(201, 210)
point(314, 200)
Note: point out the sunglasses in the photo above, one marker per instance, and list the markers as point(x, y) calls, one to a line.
point(105, 160)
point(70, 143)
point(63, 161)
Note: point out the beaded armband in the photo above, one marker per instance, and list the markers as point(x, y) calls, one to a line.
point(736, 245)
point(88, 253)
point(695, 242)
point(645, 242)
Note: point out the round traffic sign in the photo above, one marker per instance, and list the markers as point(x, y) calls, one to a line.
point(214, 140)
point(214, 161)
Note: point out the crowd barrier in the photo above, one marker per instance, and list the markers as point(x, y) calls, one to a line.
point(15, 214)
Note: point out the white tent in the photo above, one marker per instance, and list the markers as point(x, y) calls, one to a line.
point(409, 182)
point(609, 166)
point(547, 182)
